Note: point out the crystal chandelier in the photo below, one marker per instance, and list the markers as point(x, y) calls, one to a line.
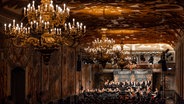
point(74, 32)
point(118, 58)
point(45, 28)
point(123, 58)
point(101, 50)
point(105, 50)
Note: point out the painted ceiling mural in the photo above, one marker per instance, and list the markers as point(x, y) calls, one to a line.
point(127, 21)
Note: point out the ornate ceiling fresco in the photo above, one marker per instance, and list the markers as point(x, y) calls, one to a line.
point(126, 22)
point(150, 22)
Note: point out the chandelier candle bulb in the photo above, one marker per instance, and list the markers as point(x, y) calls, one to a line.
point(80, 26)
point(5, 26)
point(13, 23)
point(24, 11)
point(40, 18)
point(33, 3)
point(65, 26)
point(47, 24)
point(17, 26)
point(21, 25)
point(9, 26)
point(55, 31)
point(46, 8)
point(28, 7)
point(31, 9)
point(19, 30)
point(60, 31)
point(29, 30)
point(59, 10)
point(26, 30)
point(68, 11)
point(36, 13)
point(31, 24)
point(64, 6)
point(84, 29)
point(45, 27)
point(42, 23)
point(38, 8)
point(77, 25)
point(36, 25)
point(69, 25)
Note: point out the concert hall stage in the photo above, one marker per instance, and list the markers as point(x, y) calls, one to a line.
point(132, 75)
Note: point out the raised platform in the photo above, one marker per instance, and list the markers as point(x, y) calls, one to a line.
point(132, 75)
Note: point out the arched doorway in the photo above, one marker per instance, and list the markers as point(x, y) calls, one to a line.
point(18, 85)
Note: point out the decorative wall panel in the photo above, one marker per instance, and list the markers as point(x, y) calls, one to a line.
point(3, 80)
point(85, 76)
point(34, 76)
point(78, 82)
point(54, 73)
point(59, 79)
point(133, 75)
point(64, 73)
point(179, 68)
